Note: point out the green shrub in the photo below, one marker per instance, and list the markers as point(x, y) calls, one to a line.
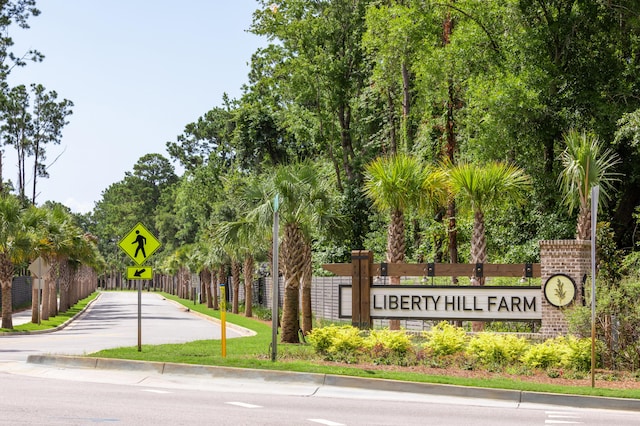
point(339, 343)
point(496, 349)
point(397, 341)
point(543, 355)
point(322, 338)
point(445, 339)
point(577, 354)
point(566, 352)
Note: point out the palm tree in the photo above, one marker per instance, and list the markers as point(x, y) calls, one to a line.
point(57, 248)
point(586, 165)
point(305, 205)
point(482, 187)
point(246, 241)
point(398, 184)
point(18, 238)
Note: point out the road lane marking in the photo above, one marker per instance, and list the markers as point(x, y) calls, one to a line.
point(154, 391)
point(569, 418)
point(243, 404)
point(326, 422)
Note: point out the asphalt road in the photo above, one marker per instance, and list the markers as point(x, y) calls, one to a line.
point(59, 396)
point(112, 321)
point(37, 394)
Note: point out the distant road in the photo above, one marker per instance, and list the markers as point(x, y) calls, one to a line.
point(111, 322)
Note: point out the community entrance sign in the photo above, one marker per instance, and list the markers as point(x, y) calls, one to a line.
point(362, 301)
point(448, 302)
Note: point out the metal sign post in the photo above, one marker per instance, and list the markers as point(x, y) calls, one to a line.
point(595, 192)
point(139, 244)
point(275, 281)
point(139, 316)
point(223, 319)
point(39, 268)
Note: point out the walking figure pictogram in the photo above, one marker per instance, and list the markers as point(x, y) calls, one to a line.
point(141, 241)
point(139, 244)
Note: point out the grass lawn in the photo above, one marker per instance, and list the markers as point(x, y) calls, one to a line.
point(254, 352)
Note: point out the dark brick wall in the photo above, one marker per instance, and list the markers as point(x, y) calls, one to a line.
point(20, 292)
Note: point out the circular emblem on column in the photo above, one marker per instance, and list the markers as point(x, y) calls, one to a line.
point(559, 290)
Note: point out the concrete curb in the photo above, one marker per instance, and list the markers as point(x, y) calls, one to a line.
point(317, 379)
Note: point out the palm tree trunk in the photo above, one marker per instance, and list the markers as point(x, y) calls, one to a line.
point(248, 286)
point(52, 283)
point(395, 238)
point(478, 240)
point(45, 310)
point(478, 255)
point(583, 231)
point(395, 250)
point(7, 309)
point(290, 313)
point(206, 285)
point(6, 281)
point(65, 286)
point(293, 261)
point(235, 284)
point(307, 314)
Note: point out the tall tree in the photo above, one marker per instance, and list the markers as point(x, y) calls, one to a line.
point(17, 128)
point(321, 46)
point(49, 118)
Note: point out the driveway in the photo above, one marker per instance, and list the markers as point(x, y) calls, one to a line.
point(112, 321)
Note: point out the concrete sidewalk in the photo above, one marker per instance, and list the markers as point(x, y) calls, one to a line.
point(22, 317)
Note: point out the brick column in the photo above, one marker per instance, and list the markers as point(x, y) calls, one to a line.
point(568, 257)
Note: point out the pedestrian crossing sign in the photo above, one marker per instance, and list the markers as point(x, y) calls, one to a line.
point(139, 244)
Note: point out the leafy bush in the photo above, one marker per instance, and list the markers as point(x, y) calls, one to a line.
point(543, 355)
point(338, 343)
point(397, 341)
point(445, 339)
point(322, 338)
point(567, 352)
point(496, 349)
point(577, 354)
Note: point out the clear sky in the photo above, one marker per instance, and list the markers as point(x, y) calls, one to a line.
point(137, 71)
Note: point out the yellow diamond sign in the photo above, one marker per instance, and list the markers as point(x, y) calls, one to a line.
point(139, 244)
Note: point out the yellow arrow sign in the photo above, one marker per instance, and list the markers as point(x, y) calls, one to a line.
point(139, 273)
point(139, 244)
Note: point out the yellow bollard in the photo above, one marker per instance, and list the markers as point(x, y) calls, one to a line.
point(223, 319)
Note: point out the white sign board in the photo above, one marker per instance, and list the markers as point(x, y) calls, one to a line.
point(450, 303)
